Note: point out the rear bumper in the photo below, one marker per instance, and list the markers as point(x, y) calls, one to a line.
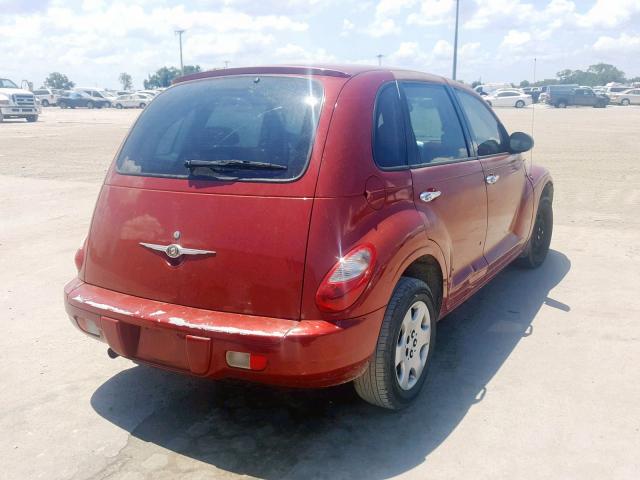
point(306, 353)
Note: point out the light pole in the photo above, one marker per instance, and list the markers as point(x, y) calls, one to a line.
point(179, 33)
point(379, 57)
point(226, 63)
point(455, 41)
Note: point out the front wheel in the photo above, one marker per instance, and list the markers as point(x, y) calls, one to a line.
point(32, 118)
point(538, 246)
point(45, 103)
point(625, 102)
point(142, 105)
point(90, 105)
point(561, 104)
point(119, 106)
point(398, 368)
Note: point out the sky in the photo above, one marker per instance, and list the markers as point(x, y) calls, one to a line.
point(93, 41)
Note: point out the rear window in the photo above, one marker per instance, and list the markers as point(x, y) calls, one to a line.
point(240, 125)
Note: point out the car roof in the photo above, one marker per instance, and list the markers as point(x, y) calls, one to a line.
point(341, 71)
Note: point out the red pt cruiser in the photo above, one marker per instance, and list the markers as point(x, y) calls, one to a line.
point(305, 226)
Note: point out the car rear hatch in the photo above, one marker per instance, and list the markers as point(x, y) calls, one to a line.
point(220, 174)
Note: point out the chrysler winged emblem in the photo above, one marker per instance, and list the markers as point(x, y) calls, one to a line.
point(175, 250)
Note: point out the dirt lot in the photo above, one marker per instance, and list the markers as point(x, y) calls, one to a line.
point(536, 377)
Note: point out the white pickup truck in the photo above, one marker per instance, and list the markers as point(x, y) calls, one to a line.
point(17, 103)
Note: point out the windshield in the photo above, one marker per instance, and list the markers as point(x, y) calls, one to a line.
point(6, 83)
point(268, 119)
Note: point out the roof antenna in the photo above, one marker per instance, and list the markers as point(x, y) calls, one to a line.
point(533, 117)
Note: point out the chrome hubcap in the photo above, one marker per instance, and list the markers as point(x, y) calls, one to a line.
point(412, 345)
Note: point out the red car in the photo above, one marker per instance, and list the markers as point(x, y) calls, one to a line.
point(305, 226)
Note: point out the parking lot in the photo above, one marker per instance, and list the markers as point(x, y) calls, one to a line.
point(535, 377)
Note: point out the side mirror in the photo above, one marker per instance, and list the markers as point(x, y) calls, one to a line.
point(520, 142)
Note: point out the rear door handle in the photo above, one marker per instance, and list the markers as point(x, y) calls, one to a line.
point(491, 179)
point(427, 197)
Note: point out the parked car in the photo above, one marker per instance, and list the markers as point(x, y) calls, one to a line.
point(16, 102)
point(81, 99)
point(610, 90)
point(628, 97)
point(46, 96)
point(101, 95)
point(250, 228)
point(136, 100)
point(508, 98)
point(579, 96)
point(151, 93)
point(489, 88)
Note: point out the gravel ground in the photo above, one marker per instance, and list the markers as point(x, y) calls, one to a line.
point(535, 377)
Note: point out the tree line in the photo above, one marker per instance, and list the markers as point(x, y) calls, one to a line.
point(163, 77)
point(594, 75)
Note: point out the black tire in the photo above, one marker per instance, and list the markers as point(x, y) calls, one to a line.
point(32, 118)
point(142, 105)
point(90, 104)
point(561, 104)
point(119, 106)
point(379, 384)
point(489, 103)
point(625, 102)
point(1, 117)
point(45, 103)
point(519, 104)
point(538, 245)
point(62, 104)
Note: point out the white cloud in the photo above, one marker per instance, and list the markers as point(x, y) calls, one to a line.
point(609, 13)
point(347, 27)
point(516, 40)
point(623, 43)
point(489, 12)
point(296, 54)
point(432, 12)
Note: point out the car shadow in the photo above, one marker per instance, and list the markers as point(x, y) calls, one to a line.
point(276, 433)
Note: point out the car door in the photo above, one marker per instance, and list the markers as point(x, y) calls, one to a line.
point(448, 184)
point(505, 179)
point(634, 97)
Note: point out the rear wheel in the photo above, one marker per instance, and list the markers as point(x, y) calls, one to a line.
point(45, 103)
point(119, 106)
point(519, 104)
point(561, 104)
point(625, 102)
point(538, 245)
point(62, 104)
point(398, 368)
point(142, 105)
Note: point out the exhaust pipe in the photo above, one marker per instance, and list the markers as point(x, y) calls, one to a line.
point(111, 353)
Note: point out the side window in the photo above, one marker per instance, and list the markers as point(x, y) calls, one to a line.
point(389, 140)
point(435, 124)
point(486, 131)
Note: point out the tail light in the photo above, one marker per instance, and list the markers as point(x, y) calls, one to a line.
point(79, 257)
point(346, 281)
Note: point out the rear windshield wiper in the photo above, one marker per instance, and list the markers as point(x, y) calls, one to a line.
point(233, 164)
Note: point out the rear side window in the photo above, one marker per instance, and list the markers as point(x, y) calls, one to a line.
point(485, 129)
point(389, 140)
point(435, 124)
point(237, 124)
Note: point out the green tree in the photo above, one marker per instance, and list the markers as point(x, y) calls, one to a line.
point(165, 75)
point(604, 73)
point(475, 83)
point(524, 83)
point(126, 81)
point(59, 81)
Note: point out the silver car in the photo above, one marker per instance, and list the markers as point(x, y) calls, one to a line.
point(135, 100)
